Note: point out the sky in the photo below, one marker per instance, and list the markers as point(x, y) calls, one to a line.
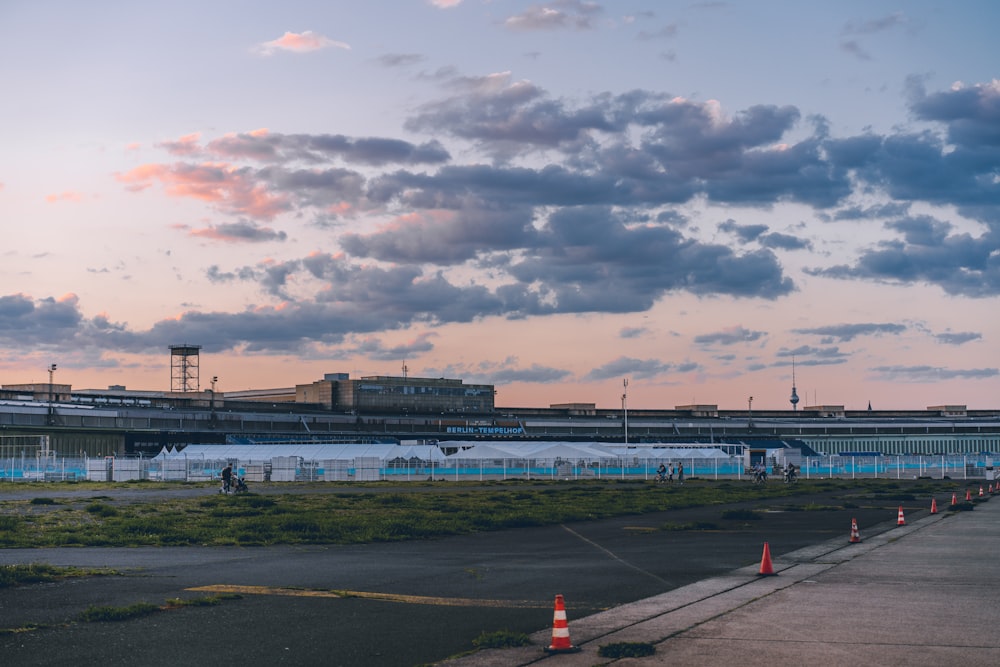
point(551, 197)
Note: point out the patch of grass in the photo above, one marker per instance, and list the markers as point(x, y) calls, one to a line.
point(692, 525)
point(43, 501)
point(101, 509)
point(816, 507)
point(204, 601)
point(95, 614)
point(626, 650)
point(501, 639)
point(35, 573)
point(335, 516)
point(27, 627)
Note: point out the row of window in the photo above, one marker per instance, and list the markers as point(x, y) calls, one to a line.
point(910, 445)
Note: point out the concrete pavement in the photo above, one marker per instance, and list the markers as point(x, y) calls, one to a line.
point(926, 593)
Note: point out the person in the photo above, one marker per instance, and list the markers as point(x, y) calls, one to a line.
point(680, 473)
point(670, 473)
point(790, 472)
point(227, 477)
point(661, 473)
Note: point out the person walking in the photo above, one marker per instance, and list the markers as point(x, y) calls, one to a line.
point(680, 473)
point(227, 477)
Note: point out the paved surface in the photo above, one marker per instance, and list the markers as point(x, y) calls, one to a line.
point(927, 593)
point(438, 595)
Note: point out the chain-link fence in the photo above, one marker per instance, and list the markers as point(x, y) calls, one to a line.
point(290, 468)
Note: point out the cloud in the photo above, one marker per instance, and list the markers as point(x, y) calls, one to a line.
point(444, 237)
point(971, 114)
point(507, 371)
point(232, 189)
point(299, 42)
point(872, 26)
point(372, 348)
point(927, 250)
point(866, 28)
point(807, 355)
point(874, 211)
point(668, 31)
point(557, 15)
point(242, 231)
point(930, 374)
point(68, 195)
point(400, 59)
point(852, 47)
point(745, 233)
point(730, 336)
point(26, 322)
point(784, 241)
point(957, 337)
point(264, 146)
point(184, 146)
point(639, 369)
point(632, 332)
point(848, 332)
point(544, 206)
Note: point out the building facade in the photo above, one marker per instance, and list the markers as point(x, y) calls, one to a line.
point(397, 395)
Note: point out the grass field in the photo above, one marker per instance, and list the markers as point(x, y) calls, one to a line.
point(327, 514)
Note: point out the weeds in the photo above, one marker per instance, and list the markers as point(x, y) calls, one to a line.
point(114, 614)
point(501, 639)
point(337, 517)
point(626, 650)
point(693, 525)
point(13, 575)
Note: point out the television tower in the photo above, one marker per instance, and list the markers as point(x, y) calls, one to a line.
point(794, 400)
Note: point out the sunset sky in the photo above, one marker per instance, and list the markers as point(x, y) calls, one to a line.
point(546, 196)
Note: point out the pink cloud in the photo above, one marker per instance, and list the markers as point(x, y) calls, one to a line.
point(186, 145)
point(296, 42)
point(68, 195)
point(230, 188)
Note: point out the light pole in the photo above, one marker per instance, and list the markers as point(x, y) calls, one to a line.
point(750, 412)
point(52, 408)
point(625, 411)
point(215, 378)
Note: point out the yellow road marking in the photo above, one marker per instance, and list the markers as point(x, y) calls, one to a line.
point(386, 597)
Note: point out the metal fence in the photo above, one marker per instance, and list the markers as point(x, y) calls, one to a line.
point(288, 469)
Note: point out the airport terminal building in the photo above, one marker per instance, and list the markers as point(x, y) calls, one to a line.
point(338, 408)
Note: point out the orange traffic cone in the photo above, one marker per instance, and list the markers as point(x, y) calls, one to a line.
point(981, 494)
point(855, 535)
point(560, 630)
point(900, 521)
point(991, 489)
point(766, 569)
point(968, 496)
point(933, 506)
point(954, 499)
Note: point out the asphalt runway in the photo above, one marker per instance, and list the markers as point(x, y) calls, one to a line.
point(409, 603)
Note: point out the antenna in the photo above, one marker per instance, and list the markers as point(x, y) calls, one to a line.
point(405, 369)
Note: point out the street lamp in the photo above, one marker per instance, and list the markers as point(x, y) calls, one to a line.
point(625, 411)
point(215, 378)
point(750, 412)
point(52, 409)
